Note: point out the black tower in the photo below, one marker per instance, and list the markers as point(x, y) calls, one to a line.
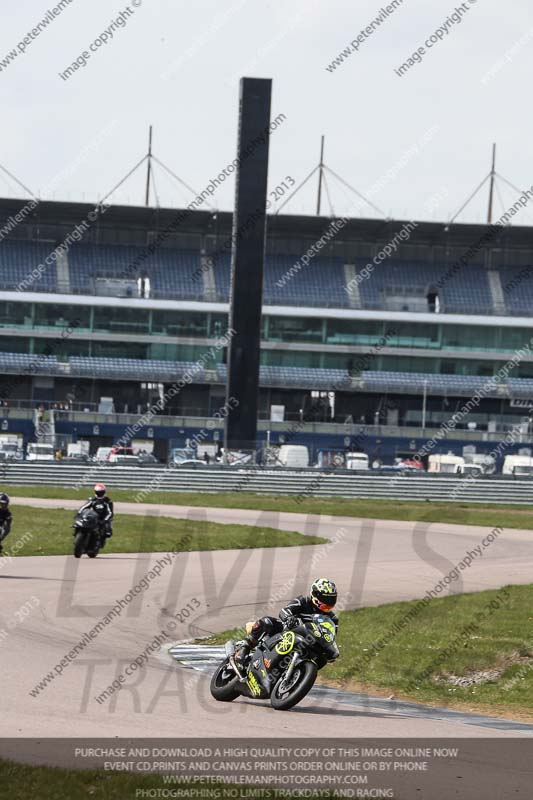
point(248, 255)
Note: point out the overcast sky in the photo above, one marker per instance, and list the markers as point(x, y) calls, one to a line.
point(177, 65)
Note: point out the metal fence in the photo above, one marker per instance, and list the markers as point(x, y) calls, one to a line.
point(300, 483)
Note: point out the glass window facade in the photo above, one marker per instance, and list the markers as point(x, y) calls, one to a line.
point(12, 314)
point(52, 315)
point(294, 329)
point(179, 323)
point(116, 349)
point(121, 320)
point(471, 337)
point(353, 331)
point(411, 334)
point(357, 344)
point(61, 347)
point(11, 344)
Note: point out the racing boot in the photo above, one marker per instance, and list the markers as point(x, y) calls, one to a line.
point(243, 651)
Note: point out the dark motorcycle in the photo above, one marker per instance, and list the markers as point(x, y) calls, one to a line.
point(87, 535)
point(3, 534)
point(282, 667)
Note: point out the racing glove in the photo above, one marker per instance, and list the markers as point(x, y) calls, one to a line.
point(292, 622)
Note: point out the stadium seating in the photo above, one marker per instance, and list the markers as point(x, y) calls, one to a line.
point(403, 286)
point(19, 259)
point(133, 368)
point(436, 384)
point(222, 272)
point(521, 388)
point(320, 283)
point(170, 271)
point(517, 286)
point(301, 377)
point(393, 285)
point(24, 363)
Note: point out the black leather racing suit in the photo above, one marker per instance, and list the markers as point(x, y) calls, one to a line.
point(6, 518)
point(267, 626)
point(103, 506)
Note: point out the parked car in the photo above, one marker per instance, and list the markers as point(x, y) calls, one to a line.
point(76, 458)
point(180, 454)
point(119, 454)
point(123, 460)
point(147, 459)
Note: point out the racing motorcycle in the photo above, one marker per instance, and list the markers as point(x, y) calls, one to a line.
point(87, 536)
point(283, 667)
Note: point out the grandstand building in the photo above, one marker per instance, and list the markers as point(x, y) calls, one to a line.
point(377, 336)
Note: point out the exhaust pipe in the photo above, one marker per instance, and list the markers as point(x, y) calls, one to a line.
point(230, 654)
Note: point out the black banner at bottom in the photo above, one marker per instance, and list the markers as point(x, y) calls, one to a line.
point(436, 769)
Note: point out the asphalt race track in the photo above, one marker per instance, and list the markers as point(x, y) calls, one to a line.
point(49, 603)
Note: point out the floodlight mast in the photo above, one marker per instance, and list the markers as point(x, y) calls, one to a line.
point(320, 177)
point(149, 169)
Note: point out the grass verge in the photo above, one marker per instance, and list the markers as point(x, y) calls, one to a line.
point(21, 782)
point(48, 532)
point(489, 515)
point(470, 651)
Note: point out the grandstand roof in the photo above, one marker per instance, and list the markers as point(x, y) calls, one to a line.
point(141, 219)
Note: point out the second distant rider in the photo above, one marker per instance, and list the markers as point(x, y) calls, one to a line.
point(103, 506)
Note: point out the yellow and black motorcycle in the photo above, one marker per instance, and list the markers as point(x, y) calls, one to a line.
point(283, 667)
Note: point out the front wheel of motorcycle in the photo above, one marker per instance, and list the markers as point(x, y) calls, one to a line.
point(79, 544)
point(223, 683)
point(286, 694)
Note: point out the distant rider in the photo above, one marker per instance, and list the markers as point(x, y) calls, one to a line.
point(6, 517)
point(103, 506)
point(320, 600)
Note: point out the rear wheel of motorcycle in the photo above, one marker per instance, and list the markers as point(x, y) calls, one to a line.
point(281, 700)
point(79, 543)
point(223, 684)
point(92, 553)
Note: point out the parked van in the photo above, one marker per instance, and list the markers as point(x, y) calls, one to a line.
point(40, 452)
point(79, 448)
point(446, 464)
point(358, 461)
point(479, 464)
point(293, 455)
point(10, 448)
point(103, 453)
point(518, 466)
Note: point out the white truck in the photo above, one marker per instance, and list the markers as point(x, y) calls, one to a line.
point(479, 464)
point(103, 453)
point(358, 461)
point(446, 464)
point(79, 448)
point(293, 455)
point(11, 448)
point(518, 466)
point(40, 452)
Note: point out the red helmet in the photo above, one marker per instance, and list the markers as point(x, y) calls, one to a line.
point(100, 490)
